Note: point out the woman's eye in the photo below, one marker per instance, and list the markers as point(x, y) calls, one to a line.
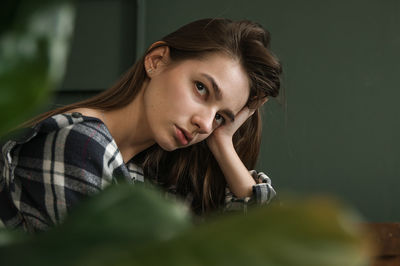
point(219, 119)
point(201, 89)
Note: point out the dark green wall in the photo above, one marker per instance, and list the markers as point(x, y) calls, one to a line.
point(102, 48)
point(338, 132)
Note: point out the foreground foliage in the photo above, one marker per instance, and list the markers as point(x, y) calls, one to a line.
point(134, 225)
point(34, 41)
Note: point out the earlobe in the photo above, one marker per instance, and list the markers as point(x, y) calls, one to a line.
point(157, 58)
point(148, 66)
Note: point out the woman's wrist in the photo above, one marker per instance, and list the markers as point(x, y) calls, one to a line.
point(236, 174)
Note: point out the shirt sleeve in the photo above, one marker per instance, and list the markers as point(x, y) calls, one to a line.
point(263, 193)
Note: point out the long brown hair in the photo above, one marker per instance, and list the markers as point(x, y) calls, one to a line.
point(194, 169)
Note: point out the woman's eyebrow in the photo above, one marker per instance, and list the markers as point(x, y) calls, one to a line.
point(229, 114)
point(217, 91)
point(218, 95)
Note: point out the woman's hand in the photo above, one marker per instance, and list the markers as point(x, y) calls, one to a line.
point(223, 135)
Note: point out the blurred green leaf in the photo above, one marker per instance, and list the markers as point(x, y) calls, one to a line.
point(313, 232)
point(8, 237)
point(33, 53)
point(156, 232)
point(119, 217)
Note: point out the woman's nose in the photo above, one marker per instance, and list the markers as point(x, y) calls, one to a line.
point(204, 122)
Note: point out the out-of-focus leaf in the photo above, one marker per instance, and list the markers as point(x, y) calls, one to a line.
point(306, 233)
point(127, 225)
point(118, 218)
point(8, 237)
point(33, 50)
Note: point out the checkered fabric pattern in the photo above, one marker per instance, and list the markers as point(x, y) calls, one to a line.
point(66, 158)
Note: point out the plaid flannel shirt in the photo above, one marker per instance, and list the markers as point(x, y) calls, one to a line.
point(66, 158)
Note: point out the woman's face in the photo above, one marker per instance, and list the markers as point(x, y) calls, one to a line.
point(185, 102)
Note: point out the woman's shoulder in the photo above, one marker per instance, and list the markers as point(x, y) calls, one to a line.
point(81, 125)
point(78, 125)
point(72, 118)
point(78, 138)
point(87, 112)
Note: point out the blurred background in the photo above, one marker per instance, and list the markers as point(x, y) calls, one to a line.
point(337, 129)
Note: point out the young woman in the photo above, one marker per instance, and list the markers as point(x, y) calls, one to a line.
point(185, 117)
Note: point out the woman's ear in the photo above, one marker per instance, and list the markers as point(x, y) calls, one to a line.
point(157, 58)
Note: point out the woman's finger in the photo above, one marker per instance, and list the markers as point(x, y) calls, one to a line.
point(243, 115)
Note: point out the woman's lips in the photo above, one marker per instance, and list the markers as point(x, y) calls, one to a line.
point(183, 136)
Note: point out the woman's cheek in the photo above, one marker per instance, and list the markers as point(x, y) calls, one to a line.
point(203, 137)
point(186, 101)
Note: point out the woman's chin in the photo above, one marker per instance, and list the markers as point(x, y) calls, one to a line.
point(167, 146)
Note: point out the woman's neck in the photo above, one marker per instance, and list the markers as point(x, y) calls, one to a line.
point(129, 128)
